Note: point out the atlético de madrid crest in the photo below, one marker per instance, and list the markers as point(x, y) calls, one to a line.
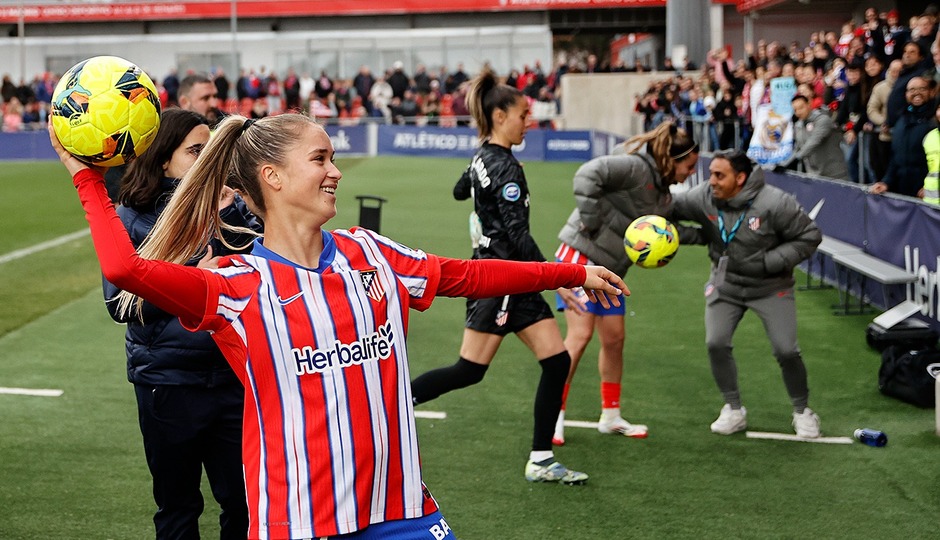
point(372, 284)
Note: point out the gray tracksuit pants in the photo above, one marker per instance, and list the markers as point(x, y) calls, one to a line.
point(778, 314)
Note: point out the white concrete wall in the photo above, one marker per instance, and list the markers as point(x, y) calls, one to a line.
point(304, 50)
point(605, 101)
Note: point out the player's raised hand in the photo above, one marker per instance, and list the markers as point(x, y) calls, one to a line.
point(604, 286)
point(72, 163)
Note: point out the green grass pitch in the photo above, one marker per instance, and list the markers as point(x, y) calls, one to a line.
point(72, 467)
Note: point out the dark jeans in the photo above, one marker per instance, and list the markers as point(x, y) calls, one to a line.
point(186, 428)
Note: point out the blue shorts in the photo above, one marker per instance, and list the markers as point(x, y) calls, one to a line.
point(595, 307)
point(429, 527)
point(567, 254)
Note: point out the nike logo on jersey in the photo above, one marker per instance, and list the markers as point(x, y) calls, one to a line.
point(289, 299)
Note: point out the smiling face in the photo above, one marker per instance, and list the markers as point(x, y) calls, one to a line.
point(685, 167)
point(918, 91)
point(308, 178)
point(186, 153)
point(724, 181)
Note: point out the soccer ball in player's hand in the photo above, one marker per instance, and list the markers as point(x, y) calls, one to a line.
point(105, 111)
point(651, 241)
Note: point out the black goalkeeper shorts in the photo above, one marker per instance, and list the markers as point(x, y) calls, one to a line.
point(521, 311)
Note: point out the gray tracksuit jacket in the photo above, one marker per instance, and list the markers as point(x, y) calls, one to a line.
point(817, 143)
point(774, 236)
point(610, 192)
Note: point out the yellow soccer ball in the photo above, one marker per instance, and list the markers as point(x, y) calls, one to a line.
point(651, 241)
point(105, 111)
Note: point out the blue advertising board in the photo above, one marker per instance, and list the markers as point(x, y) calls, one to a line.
point(539, 144)
point(568, 145)
point(26, 145)
point(426, 141)
point(349, 139)
point(370, 139)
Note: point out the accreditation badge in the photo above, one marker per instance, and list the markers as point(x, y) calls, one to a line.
point(721, 269)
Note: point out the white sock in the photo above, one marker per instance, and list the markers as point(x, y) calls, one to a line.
point(539, 456)
point(611, 413)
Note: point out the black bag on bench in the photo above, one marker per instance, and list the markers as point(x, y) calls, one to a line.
point(903, 375)
point(909, 333)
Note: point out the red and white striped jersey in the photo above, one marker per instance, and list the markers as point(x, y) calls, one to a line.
point(568, 254)
point(329, 444)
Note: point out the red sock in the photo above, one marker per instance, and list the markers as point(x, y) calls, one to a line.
point(564, 395)
point(610, 395)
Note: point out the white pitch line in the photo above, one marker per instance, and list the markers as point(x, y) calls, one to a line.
point(25, 252)
point(42, 392)
point(788, 437)
point(433, 415)
point(579, 423)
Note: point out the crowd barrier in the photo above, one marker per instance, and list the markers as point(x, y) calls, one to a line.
point(899, 230)
point(711, 134)
point(26, 146)
point(372, 139)
point(431, 141)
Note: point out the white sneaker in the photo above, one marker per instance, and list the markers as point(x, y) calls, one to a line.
point(807, 424)
point(558, 439)
point(620, 426)
point(730, 421)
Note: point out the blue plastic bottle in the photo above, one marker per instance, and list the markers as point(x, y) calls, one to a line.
point(871, 437)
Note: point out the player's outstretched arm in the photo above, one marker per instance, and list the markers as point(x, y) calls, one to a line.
point(488, 278)
point(604, 286)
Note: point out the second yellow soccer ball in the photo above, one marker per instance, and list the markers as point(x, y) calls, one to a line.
point(651, 241)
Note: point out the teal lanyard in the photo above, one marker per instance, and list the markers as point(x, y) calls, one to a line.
point(726, 236)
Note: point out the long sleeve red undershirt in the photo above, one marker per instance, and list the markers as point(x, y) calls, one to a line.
point(183, 290)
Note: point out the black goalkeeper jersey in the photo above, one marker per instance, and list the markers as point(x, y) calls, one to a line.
point(501, 201)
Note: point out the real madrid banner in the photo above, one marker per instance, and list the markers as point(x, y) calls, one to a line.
point(772, 142)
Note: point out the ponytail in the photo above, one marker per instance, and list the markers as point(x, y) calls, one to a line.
point(233, 157)
point(486, 95)
point(667, 144)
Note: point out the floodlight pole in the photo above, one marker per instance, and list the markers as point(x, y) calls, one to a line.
point(21, 32)
point(234, 26)
point(688, 31)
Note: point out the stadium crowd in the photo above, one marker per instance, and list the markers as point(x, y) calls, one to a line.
point(855, 83)
point(875, 82)
point(395, 96)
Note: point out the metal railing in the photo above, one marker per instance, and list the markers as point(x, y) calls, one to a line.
point(714, 135)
